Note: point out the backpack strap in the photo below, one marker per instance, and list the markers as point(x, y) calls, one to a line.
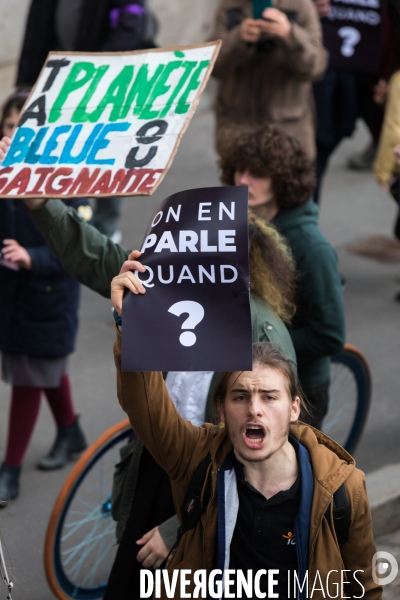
point(192, 508)
point(341, 515)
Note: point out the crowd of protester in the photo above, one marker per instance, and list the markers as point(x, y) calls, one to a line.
point(281, 110)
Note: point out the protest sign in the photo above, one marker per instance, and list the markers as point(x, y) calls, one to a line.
point(353, 34)
point(105, 124)
point(195, 314)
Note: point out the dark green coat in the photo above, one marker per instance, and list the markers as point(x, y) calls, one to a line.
point(318, 328)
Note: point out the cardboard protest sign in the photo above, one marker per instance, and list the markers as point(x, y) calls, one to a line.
point(102, 124)
point(195, 314)
point(353, 34)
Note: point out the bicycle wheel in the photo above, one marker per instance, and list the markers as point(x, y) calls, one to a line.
point(80, 543)
point(349, 397)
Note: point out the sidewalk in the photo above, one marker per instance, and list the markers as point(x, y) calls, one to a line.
point(391, 543)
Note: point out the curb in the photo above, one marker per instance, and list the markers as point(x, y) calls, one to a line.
point(383, 487)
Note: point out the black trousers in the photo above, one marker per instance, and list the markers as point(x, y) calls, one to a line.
point(318, 399)
point(340, 98)
point(151, 506)
point(397, 226)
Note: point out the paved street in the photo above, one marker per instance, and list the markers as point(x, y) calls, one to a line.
point(391, 543)
point(352, 208)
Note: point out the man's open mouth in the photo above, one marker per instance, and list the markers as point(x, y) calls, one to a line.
point(254, 434)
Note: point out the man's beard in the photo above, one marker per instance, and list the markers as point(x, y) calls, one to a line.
point(261, 458)
point(256, 460)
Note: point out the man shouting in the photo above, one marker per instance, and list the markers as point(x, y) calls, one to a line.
point(273, 482)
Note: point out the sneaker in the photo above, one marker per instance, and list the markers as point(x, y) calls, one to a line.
point(362, 161)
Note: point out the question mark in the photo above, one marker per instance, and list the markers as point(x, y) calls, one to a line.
point(351, 37)
point(196, 314)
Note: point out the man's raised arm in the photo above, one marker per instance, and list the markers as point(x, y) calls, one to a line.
point(153, 416)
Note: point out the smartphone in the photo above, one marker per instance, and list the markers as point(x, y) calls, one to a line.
point(259, 6)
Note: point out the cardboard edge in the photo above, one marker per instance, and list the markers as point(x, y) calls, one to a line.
point(133, 52)
point(193, 108)
point(216, 43)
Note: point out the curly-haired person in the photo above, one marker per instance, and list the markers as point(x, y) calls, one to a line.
point(281, 182)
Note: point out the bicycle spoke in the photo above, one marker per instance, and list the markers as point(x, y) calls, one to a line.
point(90, 542)
point(90, 576)
point(85, 503)
point(86, 540)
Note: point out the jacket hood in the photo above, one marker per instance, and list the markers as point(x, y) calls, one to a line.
point(295, 217)
point(331, 463)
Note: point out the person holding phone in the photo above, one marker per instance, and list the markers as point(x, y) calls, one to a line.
point(271, 54)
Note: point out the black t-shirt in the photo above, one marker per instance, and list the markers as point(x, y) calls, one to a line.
point(264, 533)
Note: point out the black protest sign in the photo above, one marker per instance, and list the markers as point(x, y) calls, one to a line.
point(195, 314)
point(353, 34)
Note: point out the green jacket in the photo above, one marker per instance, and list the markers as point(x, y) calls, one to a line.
point(94, 260)
point(318, 328)
point(88, 255)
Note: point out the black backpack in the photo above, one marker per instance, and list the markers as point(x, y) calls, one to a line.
point(341, 515)
point(192, 508)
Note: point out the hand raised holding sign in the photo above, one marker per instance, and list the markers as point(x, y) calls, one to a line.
point(196, 315)
point(127, 280)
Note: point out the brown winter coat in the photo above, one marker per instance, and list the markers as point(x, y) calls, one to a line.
point(260, 84)
point(179, 447)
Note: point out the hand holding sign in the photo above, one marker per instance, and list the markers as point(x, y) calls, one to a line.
point(196, 256)
point(127, 280)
